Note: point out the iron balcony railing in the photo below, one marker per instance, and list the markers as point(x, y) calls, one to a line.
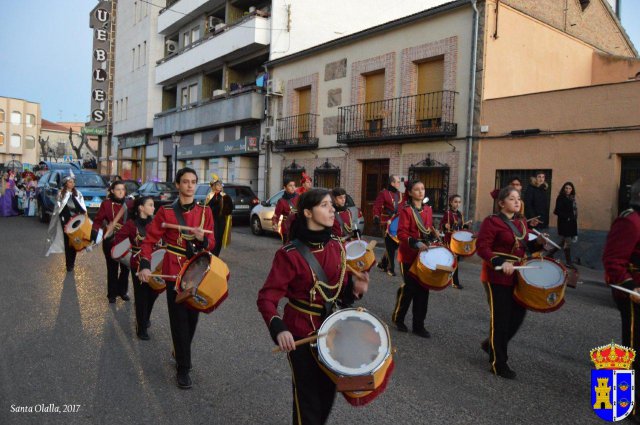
point(297, 132)
point(409, 117)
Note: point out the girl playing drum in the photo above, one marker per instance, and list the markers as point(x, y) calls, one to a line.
point(310, 300)
point(135, 230)
point(502, 242)
point(452, 220)
point(413, 236)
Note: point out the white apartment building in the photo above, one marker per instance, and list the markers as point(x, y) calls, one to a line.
point(136, 96)
point(19, 131)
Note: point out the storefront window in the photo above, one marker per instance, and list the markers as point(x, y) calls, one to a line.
point(151, 163)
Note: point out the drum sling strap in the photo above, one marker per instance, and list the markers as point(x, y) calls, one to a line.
point(516, 233)
point(422, 228)
point(177, 209)
point(317, 269)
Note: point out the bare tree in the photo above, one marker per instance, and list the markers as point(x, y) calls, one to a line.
point(83, 142)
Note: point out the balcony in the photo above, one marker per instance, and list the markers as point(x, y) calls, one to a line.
point(178, 13)
point(244, 38)
point(428, 115)
point(242, 107)
point(297, 132)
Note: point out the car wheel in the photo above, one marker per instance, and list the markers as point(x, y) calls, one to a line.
point(256, 227)
point(43, 215)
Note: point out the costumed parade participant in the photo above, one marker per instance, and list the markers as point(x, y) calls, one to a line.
point(110, 219)
point(345, 225)
point(312, 296)
point(221, 206)
point(386, 206)
point(305, 184)
point(135, 230)
point(284, 207)
point(181, 246)
point(8, 200)
point(68, 204)
point(452, 221)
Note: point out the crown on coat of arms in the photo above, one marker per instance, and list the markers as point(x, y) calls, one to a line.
point(612, 356)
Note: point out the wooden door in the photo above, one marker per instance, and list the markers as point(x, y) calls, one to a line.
point(375, 176)
point(304, 108)
point(374, 98)
point(431, 81)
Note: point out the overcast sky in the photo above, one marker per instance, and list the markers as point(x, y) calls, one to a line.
point(45, 53)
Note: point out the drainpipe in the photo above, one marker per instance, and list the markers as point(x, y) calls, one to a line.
point(470, 117)
point(618, 11)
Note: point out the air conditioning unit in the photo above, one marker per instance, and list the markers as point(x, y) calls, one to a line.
point(275, 87)
point(220, 26)
point(172, 46)
point(212, 21)
point(219, 92)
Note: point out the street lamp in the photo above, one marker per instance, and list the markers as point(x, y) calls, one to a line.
point(175, 137)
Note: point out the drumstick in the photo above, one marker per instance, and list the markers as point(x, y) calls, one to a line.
point(115, 221)
point(533, 218)
point(301, 342)
point(519, 267)
point(355, 272)
point(546, 238)
point(165, 276)
point(179, 227)
point(628, 291)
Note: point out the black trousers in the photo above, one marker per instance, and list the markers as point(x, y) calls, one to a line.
point(411, 290)
point(117, 274)
point(144, 298)
point(219, 225)
point(630, 315)
point(506, 317)
point(388, 260)
point(183, 322)
point(313, 391)
point(69, 254)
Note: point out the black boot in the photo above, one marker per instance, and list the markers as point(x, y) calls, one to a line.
point(567, 256)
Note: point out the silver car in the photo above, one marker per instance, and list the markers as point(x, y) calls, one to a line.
point(262, 214)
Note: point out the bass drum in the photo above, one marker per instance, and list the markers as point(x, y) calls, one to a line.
point(202, 282)
point(78, 230)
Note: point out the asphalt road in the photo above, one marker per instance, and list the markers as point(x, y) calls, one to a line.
point(63, 344)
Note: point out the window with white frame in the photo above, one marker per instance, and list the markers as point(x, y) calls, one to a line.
point(16, 118)
point(186, 39)
point(29, 142)
point(195, 34)
point(1, 115)
point(30, 119)
point(185, 96)
point(193, 93)
point(16, 140)
point(1, 139)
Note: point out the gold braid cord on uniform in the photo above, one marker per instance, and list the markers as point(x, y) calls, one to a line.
point(318, 285)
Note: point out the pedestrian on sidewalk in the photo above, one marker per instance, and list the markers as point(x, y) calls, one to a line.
point(536, 199)
point(567, 211)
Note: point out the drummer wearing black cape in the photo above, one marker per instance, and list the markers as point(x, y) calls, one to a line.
point(181, 246)
point(310, 300)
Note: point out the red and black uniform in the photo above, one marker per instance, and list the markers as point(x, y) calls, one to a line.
point(284, 207)
point(385, 207)
point(309, 303)
point(498, 243)
point(345, 225)
point(621, 259)
point(135, 231)
point(410, 234)
point(117, 273)
point(180, 247)
point(455, 220)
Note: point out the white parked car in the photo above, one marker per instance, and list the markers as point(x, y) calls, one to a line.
point(262, 214)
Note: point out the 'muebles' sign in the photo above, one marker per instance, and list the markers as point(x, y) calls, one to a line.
point(101, 21)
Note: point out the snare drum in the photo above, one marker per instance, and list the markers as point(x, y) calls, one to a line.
point(157, 284)
point(202, 282)
point(463, 243)
point(541, 289)
point(359, 255)
point(122, 252)
point(356, 354)
point(78, 229)
point(433, 268)
point(392, 228)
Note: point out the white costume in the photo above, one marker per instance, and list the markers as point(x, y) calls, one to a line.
point(55, 234)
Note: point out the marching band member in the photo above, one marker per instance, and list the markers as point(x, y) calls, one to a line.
point(221, 206)
point(502, 241)
point(135, 230)
point(452, 221)
point(414, 232)
point(621, 259)
point(285, 206)
point(345, 225)
point(310, 300)
point(385, 207)
point(117, 283)
point(180, 247)
point(64, 210)
point(305, 184)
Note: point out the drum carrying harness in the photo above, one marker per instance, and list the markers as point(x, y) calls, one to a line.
point(190, 250)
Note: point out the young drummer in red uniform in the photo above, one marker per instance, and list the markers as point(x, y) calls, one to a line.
point(305, 184)
point(502, 241)
point(385, 207)
point(414, 233)
point(621, 259)
point(285, 206)
point(452, 221)
point(310, 301)
point(345, 225)
point(181, 245)
point(135, 231)
point(117, 273)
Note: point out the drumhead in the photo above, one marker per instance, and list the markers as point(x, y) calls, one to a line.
point(549, 275)
point(120, 249)
point(74, 223)
point(355, 249)
point(462, 236)
point(393, 226)
point(532, 237)
point(438, 255)
point(195, 271)
point(356, 342)
point(156, 258)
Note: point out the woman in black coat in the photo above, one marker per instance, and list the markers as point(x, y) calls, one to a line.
point(567, 212)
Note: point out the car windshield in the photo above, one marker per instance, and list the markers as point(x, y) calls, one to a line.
point(89, 180)
point(202, 190)
point(165, 187)
point(246, 192)
point(275, 198)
